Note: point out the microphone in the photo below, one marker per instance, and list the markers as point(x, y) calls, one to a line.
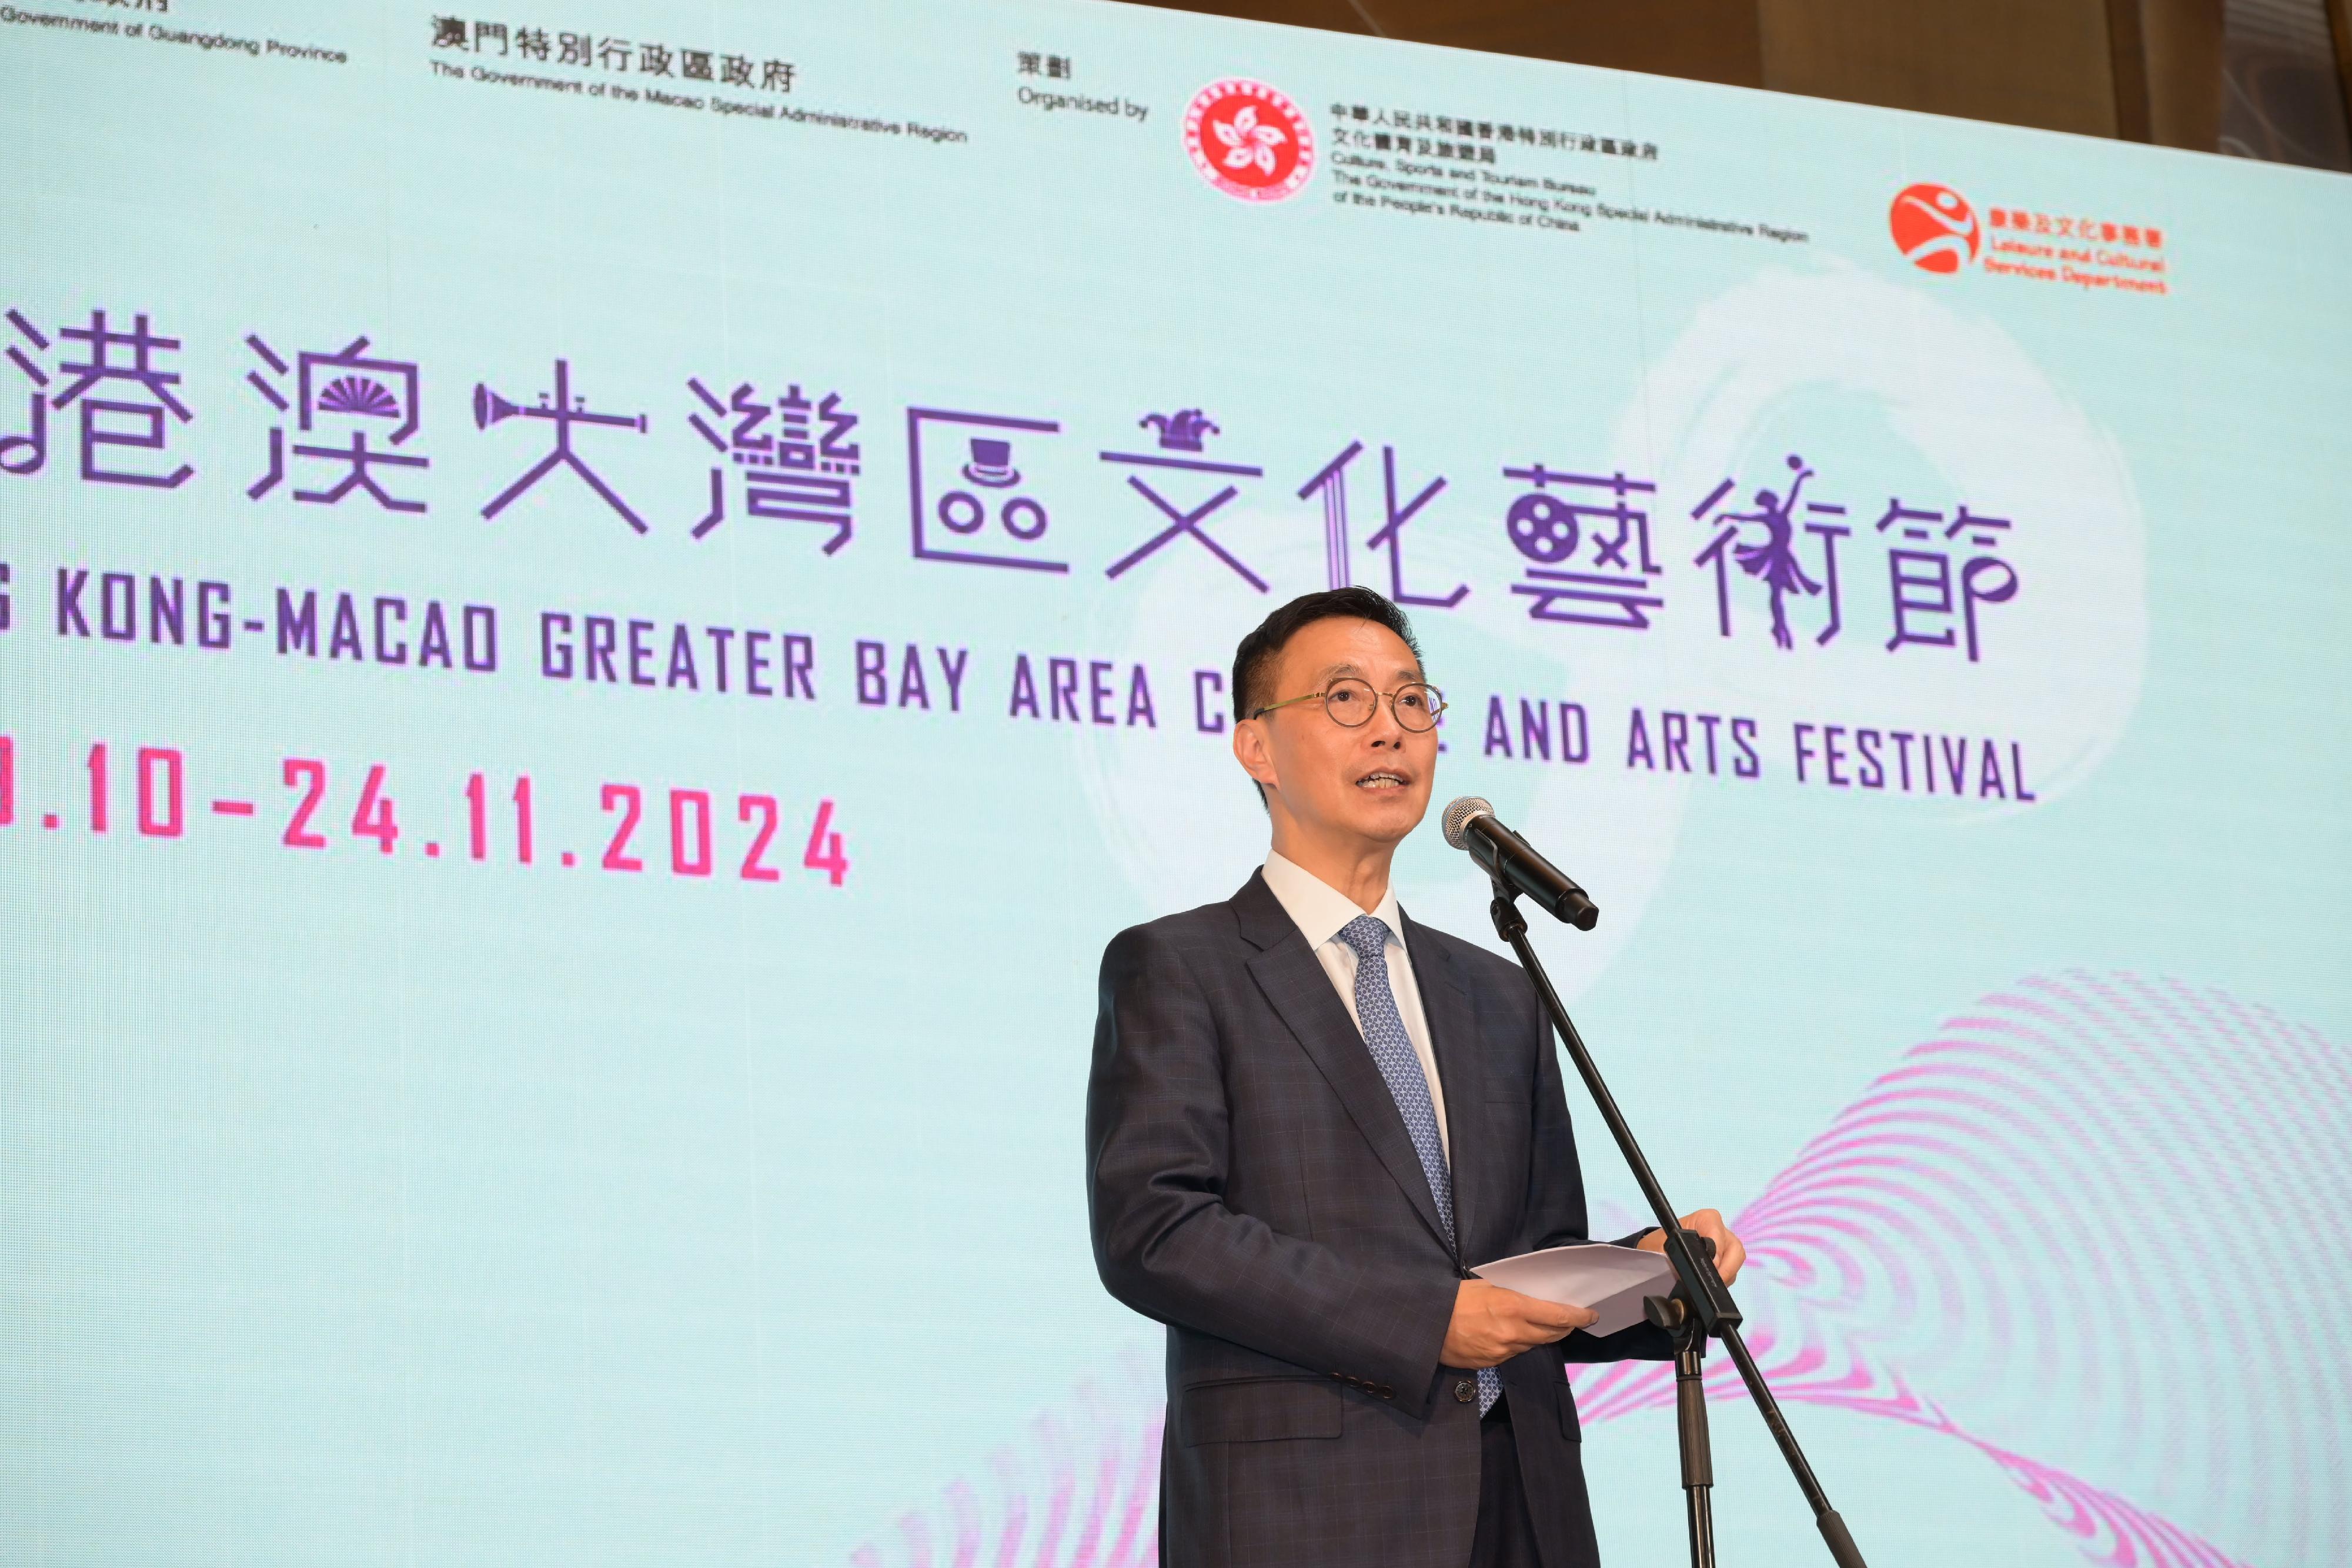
point(1470, 825)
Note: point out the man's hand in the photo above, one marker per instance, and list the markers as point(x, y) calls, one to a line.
point(1728, 1253)
point(1492, 1324)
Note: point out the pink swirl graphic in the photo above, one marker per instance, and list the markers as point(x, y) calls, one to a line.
point(1081, 1491)
point(2099, 1214)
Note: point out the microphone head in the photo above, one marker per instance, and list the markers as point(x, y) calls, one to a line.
point(1459, 816)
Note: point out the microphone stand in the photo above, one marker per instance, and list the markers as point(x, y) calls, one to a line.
point(1673, 1313)
point(1701, 1307)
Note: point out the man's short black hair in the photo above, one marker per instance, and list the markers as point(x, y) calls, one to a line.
point(1255, 660)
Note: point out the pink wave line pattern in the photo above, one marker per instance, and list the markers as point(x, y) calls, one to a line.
point(1967, 1225)
point(1082, 1491)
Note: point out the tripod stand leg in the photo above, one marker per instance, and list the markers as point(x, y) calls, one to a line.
point(1698, 1461)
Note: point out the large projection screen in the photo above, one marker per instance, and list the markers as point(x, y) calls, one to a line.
point(604, 605)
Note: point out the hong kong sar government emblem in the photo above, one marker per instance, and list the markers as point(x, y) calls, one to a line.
point(1249, 141)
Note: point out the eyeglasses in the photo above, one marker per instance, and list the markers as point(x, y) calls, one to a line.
point(1350, 704)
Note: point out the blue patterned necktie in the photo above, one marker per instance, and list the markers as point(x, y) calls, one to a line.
point(1392, 1052)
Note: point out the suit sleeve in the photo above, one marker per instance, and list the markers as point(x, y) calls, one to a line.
point(1556, 1203)
point(1165, 1242)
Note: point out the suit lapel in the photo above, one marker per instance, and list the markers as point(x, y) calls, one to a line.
point(1293, 982)
point(1453, 1041)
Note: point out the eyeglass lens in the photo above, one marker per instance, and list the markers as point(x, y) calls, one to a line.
point(1353, 702)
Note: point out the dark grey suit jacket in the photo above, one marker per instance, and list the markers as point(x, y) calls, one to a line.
point(1252, 1186)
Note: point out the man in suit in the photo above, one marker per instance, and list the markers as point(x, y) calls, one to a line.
point(1307, 1116)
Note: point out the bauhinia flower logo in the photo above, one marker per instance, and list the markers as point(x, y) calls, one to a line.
point(1249, 141)
point(1247, 144)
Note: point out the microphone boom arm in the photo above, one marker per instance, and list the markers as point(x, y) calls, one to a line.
point(1709, 1300)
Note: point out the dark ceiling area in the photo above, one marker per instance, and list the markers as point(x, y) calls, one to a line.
point(2256, 79)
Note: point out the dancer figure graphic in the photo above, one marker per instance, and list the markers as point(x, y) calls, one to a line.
point(1773, 561)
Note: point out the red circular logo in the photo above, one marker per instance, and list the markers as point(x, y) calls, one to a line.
point(1935, 228)
point(1249, 141)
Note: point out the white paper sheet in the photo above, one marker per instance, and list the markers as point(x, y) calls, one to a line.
point(1611, 1280)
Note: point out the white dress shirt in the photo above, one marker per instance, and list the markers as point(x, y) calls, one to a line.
point(1320, 910)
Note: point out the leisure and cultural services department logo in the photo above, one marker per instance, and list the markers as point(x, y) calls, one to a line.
point(1249, 140)
point(1938, 230)
point(1935, 228)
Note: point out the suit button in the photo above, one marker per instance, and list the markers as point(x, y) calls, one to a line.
point(1466, 1391)
point(1385, 1392)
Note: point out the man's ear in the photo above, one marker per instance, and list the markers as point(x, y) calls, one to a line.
point(1251, 751)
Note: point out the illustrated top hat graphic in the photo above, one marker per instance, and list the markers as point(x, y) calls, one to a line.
point(991, 463)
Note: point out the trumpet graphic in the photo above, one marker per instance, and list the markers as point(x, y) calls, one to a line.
point(563, 410)
point(491, 407)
